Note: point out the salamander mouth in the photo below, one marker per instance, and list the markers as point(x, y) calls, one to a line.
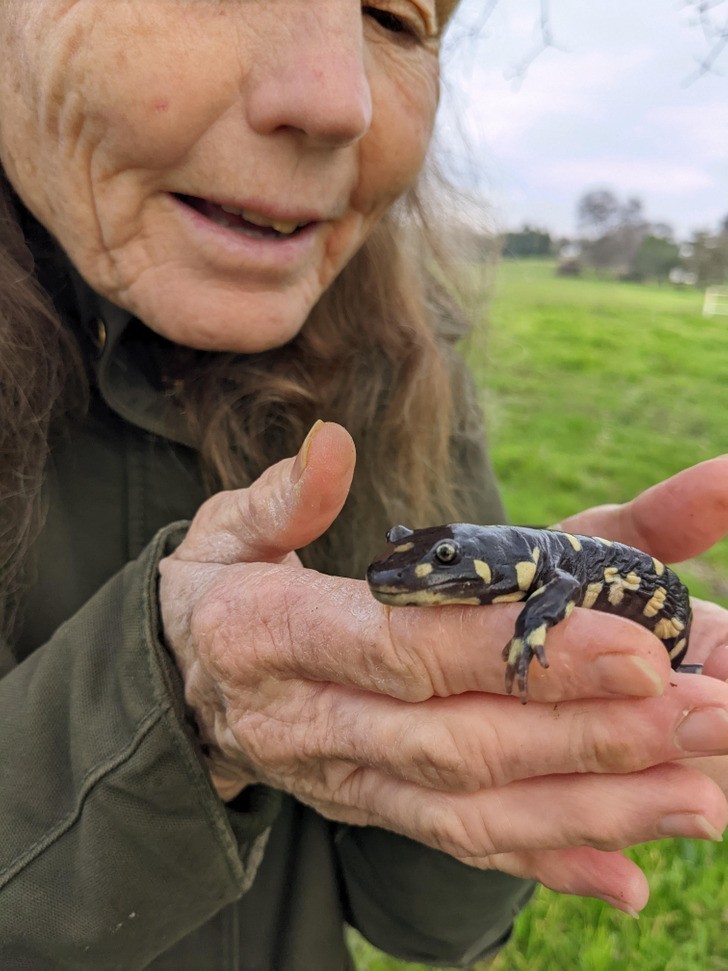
point(432, 595)
point(243, 221)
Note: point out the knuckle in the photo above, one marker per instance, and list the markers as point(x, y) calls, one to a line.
point(239, 626)
point(607, 748)
point(404, 665)
point(456, 832)
point(439, 756)
point(611, 836)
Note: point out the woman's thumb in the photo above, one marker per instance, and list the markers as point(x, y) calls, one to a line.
point(288, 507)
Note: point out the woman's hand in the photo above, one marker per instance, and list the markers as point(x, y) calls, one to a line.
point(674, 520)
point(397, 718)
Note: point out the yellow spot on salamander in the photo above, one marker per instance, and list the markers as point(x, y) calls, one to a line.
point(515, 651)
point(666, 629)
point(655, 604)
point(600, 539)
point(525, 572)
point(574, 542)
point(537, 637)
point(678, 647)
point(537, 593)
point(569, 610)
point(509, 598)
point(592, 593)
point(659, 567)
point(618, 584)
point(536, 553)
point(483, 570)
point(404, 548)
point(423, 570)
point(616, 593)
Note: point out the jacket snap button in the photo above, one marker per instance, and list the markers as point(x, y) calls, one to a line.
point(100, 333)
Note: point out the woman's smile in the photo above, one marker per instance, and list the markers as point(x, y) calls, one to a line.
point(256, 239)
point(250, 222)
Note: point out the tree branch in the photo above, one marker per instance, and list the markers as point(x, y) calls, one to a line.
point(715, 32)
point(546, 40)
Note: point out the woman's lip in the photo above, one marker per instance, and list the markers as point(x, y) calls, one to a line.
point(233, 250)
point(265, 210)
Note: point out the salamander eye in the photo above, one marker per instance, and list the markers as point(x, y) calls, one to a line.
point(447, 552)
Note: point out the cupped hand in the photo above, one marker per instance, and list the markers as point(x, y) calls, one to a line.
point(674, 520)
point(397, 717)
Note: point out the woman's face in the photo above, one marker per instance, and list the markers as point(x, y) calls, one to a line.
point(211, 165)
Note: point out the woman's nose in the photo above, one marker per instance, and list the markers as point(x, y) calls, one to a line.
point(311, 76)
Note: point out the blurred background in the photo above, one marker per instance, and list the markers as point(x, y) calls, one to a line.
point(591, 144)
point(548, 102)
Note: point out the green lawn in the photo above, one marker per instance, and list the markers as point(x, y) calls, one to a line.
point(593, 391)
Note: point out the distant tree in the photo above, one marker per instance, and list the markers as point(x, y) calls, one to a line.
point(655, 258)
point(631, 232)
point(528, 241)
point(597, 212)
point(663, 231)
point(632, 213)
point(613, 231)
point(707, 257)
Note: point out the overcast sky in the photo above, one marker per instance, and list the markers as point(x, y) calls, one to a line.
point(608, 107)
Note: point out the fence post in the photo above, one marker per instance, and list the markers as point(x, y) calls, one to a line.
point(715, 303)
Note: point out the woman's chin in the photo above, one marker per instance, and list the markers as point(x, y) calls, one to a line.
point(220, 318)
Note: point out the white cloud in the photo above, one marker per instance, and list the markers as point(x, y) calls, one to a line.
point(701, 128)
point(643, 176)
point(607, 106)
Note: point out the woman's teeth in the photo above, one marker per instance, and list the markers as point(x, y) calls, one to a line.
point(286, 228)
point(244, 221)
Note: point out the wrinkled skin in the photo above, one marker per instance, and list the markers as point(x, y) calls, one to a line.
point(309, 112)
point(112, 109)
point(397, 717)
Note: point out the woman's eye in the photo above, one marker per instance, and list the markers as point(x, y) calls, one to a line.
point(390, 21)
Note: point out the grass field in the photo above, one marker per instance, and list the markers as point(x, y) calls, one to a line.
point(594, 390)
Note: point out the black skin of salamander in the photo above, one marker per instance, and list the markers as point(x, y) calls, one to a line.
point(550, 571)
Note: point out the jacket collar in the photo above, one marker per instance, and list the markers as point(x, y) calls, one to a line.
point(129, 371)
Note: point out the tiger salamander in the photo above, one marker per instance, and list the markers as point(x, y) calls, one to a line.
point(551, 571)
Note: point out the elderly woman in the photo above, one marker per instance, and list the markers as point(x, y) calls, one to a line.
point(214, 751)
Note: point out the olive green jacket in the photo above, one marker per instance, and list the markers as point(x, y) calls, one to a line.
point(115, 851)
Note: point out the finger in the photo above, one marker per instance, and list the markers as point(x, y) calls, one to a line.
point(289, 506)
point(673, 520)
point(584, 872)
point(716, 664)
point(709, 638)
point(590, 654)
point(299, 619)
point(477, 741)
point(485, 741)
point(605, 812)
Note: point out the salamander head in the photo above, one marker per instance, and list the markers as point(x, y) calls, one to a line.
point(437, 565)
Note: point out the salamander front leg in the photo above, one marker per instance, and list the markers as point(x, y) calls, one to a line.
point(546, 606)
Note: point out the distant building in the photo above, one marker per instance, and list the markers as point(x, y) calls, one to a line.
point(682, 278)
point(570, 260)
